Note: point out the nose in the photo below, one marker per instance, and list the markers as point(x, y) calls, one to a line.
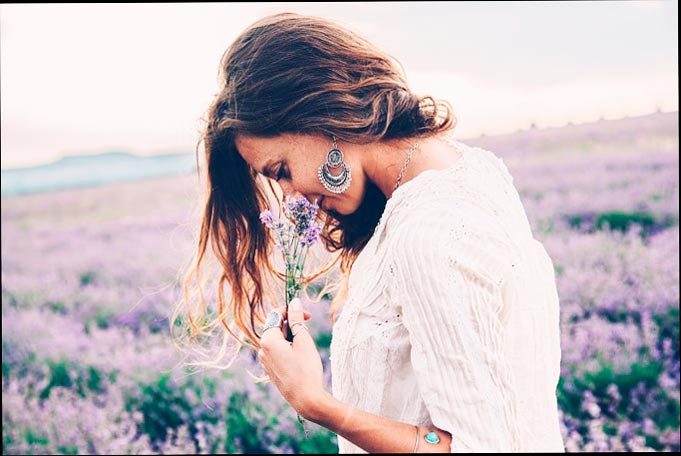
point(288, 190)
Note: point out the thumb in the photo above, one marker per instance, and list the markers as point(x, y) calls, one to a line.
point(295, 311)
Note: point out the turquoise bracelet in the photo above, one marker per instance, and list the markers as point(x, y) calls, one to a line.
point(431, 438)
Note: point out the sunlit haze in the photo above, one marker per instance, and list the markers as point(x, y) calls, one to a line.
point(81, 79)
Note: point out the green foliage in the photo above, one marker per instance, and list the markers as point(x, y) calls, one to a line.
point(251, 428)
point(640, 371)
point(619, 221)
point(242, 422)
point(35, 438)
point(94, 379)
point(102, 318)
point(668, 324)
point(7, 439)
point(654, 443)
point(58, 307)
point(68, 374)
point(643, 371)
point(616, 315)
point(609, 429)
point(59, 376)
point(323, 340)
point(252, 425)
point(575, 220)
point(569, 397)
point(163, 407)
point(321, 441)
point(559, 270)
point(87, 278)
point(622, 221)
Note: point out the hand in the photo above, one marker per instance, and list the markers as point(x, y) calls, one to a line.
point(294, 367)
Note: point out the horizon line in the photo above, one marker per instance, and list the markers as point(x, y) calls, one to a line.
point(158, 153)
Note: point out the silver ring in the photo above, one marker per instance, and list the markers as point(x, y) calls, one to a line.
point(274, 320)
point(302, 326)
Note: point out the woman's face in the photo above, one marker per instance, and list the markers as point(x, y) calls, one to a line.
point(293, 161)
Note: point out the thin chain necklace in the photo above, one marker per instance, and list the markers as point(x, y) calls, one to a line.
point(406, 162)
point(399, 178)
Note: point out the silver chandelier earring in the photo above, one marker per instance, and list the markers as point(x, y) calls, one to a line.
point(338, 183)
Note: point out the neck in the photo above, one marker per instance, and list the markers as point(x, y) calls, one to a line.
point(384, 160)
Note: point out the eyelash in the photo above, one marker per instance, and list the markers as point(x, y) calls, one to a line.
point(279, 173)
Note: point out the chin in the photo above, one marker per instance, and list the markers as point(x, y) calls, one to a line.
point(339, 205)
point(340, 210)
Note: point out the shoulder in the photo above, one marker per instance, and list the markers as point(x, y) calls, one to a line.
point(443, 234)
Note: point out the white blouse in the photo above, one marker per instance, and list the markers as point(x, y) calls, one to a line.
point(452, 314)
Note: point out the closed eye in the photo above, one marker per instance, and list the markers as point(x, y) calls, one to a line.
point(280, 173)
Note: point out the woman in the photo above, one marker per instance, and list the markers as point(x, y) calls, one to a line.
point(448, 334)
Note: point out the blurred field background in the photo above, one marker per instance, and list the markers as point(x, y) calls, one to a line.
point(89, 277)
point(99, 101)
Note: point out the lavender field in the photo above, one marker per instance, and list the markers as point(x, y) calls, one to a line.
point(89, 278)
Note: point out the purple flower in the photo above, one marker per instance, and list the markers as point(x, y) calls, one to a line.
point(301, 213)
point(311, 234)
point(266, 218)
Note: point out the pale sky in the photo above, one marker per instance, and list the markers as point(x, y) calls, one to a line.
point(79, 78)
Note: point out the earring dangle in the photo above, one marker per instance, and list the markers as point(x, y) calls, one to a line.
point(338, 183)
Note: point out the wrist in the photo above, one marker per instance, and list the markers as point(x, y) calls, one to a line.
point(318, 406)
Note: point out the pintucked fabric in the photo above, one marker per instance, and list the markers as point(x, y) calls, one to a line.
point(452, 314)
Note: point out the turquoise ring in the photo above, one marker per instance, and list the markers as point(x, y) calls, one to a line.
point(432, 438)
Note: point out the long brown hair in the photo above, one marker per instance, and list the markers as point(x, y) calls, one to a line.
point(288, 73)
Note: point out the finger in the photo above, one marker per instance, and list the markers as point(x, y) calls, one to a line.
point(282, 311)
point(271, 336)
point(295, 312)
point(296, 318)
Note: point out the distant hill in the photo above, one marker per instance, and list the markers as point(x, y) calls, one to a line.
point(89, 170)
point(623, 131)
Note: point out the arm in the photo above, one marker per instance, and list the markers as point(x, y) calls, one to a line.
point(373, 433)
point(445, 285)
point(296, 370)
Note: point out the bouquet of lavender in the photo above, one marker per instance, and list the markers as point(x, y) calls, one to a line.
point(294, 235)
